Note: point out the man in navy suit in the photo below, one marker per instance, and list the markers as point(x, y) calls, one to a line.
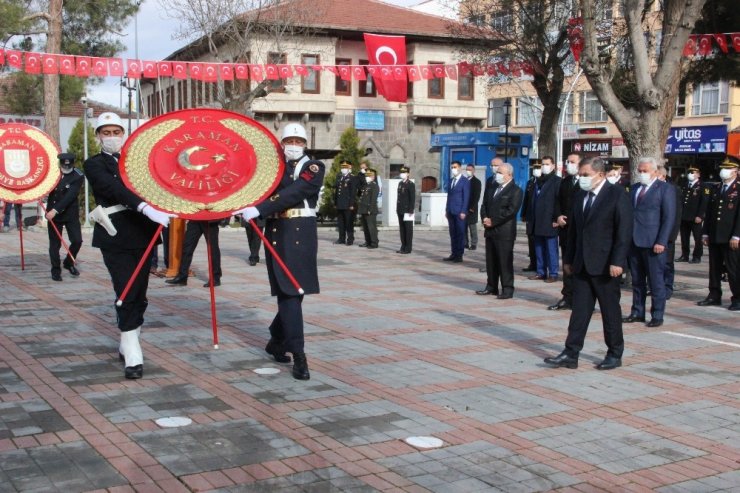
point(654, 212)
point(599, 238)
point(458, 199)
point(542, 215)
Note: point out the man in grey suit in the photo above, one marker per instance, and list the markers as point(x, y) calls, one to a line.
point(599, 238)
point(654, 212)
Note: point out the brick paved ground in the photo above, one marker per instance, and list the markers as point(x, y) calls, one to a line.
point(397, 346)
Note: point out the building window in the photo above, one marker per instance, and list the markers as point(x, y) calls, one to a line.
point(367, 87)
point(591, 109)
point(310, 84)
point(528, 111)
point(710, 98)
point(477, 19)
point(502, 22)
point(409, 84)
point(681, 100)
point(496, 115)
point(466, 87)
point(180, 95)
point(568, 110)
point(436, 85)
point(343, 87)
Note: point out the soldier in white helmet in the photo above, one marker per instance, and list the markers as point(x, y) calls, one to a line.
point(290, 227)
point(124, 227)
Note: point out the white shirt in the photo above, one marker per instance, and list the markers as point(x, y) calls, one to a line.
point(595, 191)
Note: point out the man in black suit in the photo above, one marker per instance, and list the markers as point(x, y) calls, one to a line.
point(568, 188)
point(471, 219)
point(528, 191)
point(543, 211)
point(599, 238)
point(405, 201)
point(123, 241)
point(498, 211)
point(345, 195)
point(695, 198)
point(62, 210)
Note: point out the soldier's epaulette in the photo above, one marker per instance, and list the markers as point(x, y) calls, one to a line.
point(77, 170)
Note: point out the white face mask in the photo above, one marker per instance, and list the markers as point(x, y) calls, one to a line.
point(612, 179)
point(362, 170)
point(368, 179)
point(586, 183)
point(494, 169)
point(469, 173)
point(111, 144)
point(572, 169)
point(499, 178)
point(547, 169)
point(537, 172)
point(691, 177)
point(344, 171)
point(66, 170)
point(293, 152)
point(645, 178)
point(455, 171)
point(404, 176)
point(725, 174)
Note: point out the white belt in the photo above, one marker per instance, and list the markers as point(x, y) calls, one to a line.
point(293, 213)
point(114, 208)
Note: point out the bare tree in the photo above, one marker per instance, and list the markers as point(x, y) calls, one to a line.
point(533, 32)
point(634, 66)
point(243, 31)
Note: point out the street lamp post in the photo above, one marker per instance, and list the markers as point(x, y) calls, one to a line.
point(88, 113)
point(130, 88)
point(507, 113)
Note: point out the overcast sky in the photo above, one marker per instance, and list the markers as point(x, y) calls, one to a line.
point(155, 33)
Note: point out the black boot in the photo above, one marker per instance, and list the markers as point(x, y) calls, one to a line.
point(300, 367)
point(178, 280)
point(276, 352)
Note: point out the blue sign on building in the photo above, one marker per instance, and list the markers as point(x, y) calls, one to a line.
point(369, 120)
point(692, 140)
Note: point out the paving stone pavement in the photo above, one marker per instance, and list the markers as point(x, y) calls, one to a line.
point(397, 346)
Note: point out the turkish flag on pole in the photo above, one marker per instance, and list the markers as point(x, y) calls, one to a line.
point(33, 63)
point(721, 42)
point(50, 64)
point(67, 65)
point(735, 41)
point(388, 50)
point(690, 47)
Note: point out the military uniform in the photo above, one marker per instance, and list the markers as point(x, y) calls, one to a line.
point(254, 240)
point(290, 227)
point(405, 201)
point(722, 224)
point(695, 197)
point(63, 200)
point(367, 208)
point(345, 194)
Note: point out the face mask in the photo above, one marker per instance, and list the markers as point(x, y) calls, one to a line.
point(455, 171)
point(572, 169)
point(345, 172)
point(546, 169)
point(537, 173)
point(362, 170)
point(293, 153)
point(66, 170)
point(645, 178)
point(691, 177)
point(368, 179)
point(725, 174)
point(499, 178)
point(586, 183)
point(469, 173)
point(494, 169)
point(404, 176)
point(612, 179)
point(111, 144)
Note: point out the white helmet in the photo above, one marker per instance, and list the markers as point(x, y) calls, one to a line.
point(294, 130)
point(108, 119)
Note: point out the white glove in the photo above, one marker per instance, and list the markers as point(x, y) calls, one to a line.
point(248, 213)
point(156, 215)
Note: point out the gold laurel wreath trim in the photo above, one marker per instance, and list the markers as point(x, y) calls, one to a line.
point(52, 175)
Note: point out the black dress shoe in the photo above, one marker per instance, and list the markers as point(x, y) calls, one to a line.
point(473, 247)
point(372, 246)
point(276, 352)
point(449, 259)
point(217, 282)
point(609, 363)
point(253, 262)
point(56, 277)
point(300, 367)
point(505, 296)
point(529, 268)
point(682, 258)
point(457, 260)
point(401, 251)
point(338, 242)
point(178, 280)
point(695, 261)
point(632, 319)
point(72, 270)
point(406, 252)
point(734, 306)
point(563, 360)
point(560, 305)
point(709, 302)
point(486, 290)
point(362, 245)
point(350, 242)
point(655, 323)
point(134, 372)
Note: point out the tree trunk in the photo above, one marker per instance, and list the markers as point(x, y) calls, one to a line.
point(51, 81)
point(547, 139)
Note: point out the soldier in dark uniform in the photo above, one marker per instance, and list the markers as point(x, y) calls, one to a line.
point(123, 239)
point(345, 194)
point(405, 205)
point(255, 242)
point(721, 234)
point(568, 188)
point(471, 218)
point(694, 200)
point(367, 208)
point(62, 209)
point(360, 185)
point(528, 191)
point(290, 227)
point(193, 232)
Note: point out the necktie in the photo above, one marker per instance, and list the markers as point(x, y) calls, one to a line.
point(641, 194)
point(724, 189)
point(454, 182)
point(590, 201)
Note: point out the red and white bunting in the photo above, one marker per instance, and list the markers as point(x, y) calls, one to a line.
point(50, 64)
point(100, 67)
